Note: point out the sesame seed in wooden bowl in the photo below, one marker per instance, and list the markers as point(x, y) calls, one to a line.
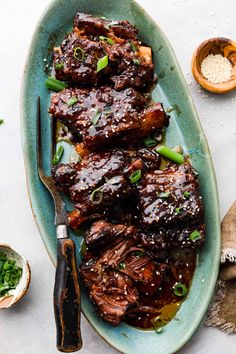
point(214, 65)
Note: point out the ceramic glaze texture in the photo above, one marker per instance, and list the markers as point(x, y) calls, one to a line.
point(184, 130)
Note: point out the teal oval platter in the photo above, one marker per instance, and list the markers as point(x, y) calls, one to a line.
point(184, 129)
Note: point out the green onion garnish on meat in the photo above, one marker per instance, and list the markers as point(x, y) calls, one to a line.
point(186, 194)
point(96, 116)
point(73, 100)
point(55, 85)
point(136, 62)
point(180, 289)
point(58, 155)
point(135, 176)
point(59, 66)
point(163, 195)
point(149, 142)
point(106, 39)
point(96, 196)
point(133, 46)
point(102, 63)
point(195, 235)
point(121, 265)
point(170, 154)
point(78, 53)
point(178, 210)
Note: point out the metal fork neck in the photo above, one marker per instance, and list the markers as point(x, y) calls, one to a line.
point(62, 231)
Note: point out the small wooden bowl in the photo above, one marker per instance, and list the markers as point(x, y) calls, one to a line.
point(219, 45)
point(18, 293)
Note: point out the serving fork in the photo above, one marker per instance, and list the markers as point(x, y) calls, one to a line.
point(66, 289)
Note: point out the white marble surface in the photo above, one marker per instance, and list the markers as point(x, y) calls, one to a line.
point(28, 328)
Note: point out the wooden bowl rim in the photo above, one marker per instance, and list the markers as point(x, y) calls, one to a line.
point(206, 84)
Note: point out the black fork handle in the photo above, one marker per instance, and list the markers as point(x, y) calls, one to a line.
point(67, 298)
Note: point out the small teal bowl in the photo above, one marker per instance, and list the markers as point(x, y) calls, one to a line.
point(184, 129)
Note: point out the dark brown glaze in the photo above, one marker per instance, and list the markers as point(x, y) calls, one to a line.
point(103, 170)
point(175, 209)
point(129, 62)
point(120, 115)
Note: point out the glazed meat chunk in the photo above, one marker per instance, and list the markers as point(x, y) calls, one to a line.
point(156, 242)
point(127, 63)
point(95, 184)
point(88, 25)
point(103, 115)
point(115, 277)
point(170, 197)
point(103, 233)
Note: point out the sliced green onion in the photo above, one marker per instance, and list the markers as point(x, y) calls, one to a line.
point(159, 330)
point(58, 155)
point(59, 66)
point(136, 62)
point(78, 53)
point(114, 180)
point(195, 235)
point(178, 210)
point(133, 46)
point(180, 289)
point(102, 63)
point(96, 116)
point(163, 195)
point(73, 100)
point(96, 196)
point(149, 142)
point(55, 85)
point(121, 265)
point(139, 253)
point(175, 107)
point(170, 154)
point(186, 194)
point(106, 39)
point(10, 274)
point(135, 176)
point(1, 121)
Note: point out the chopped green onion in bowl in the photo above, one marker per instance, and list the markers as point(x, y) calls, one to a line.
point(170, 154)
point(1, 121)
point(55, 85)
point(135, 176)
point(10, 274)
point(102, 63)
point(58, 155)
